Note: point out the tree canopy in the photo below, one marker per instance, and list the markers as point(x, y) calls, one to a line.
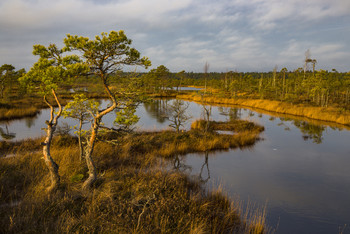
point(107, 53)
point(51, 69)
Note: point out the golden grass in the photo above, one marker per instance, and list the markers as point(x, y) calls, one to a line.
point(169, 143)
point(14, 113)
point(319, 113)
point(30, 105)
point(237, 126)
point(132, 194)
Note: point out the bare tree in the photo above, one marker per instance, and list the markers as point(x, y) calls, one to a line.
point(309, 60)
point(274, 76)
point(206, 68)
point(177, 114)
point(206, 114)
point(313, 61)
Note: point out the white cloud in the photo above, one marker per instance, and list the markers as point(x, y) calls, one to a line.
point(268, 14)
point(230, 34)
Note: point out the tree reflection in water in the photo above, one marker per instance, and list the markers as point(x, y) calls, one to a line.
point(231, 113)
point(6, 135)
point(205, 164)
point(283, 124)
point(179, 165)
point(310, 131)
point(157, 108)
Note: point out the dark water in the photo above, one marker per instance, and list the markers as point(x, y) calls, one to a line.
point(301, 170)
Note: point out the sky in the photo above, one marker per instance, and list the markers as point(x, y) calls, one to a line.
point(231, 35)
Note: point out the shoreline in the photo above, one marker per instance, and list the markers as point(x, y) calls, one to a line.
point(327, 114)
point(131, 182)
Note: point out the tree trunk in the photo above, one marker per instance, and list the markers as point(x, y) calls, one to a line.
point(284, 84)
point(50, 163)
point(81, 148)
point(88, 155)
point(327, 98)
point(51, 127)
point(91, 143)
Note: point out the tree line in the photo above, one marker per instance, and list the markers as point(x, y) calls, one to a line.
point(318, 87)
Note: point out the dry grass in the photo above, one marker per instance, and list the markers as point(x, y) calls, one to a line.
point(237, 126)
point(320, 113)
point(30, 105)
point(132, 194)
point(169, 143)
point(15, 113)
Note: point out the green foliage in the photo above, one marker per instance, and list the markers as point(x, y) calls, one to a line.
point(51, 69)
point(126, 118)
point(77, 178)
point(158, 79)
point(81, 108)
point(107, 53)
point(318, 88)
point(6, 70)
point(7, 75)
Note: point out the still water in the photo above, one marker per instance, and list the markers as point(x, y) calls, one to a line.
point(300, 170)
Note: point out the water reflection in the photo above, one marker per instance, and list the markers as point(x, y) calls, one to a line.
point(30, 122)
point(5, 134)
point(157, 109)
point(231, 113)
point(179, 164)
point(283, 124)
point(310, 131)
point(202, 177)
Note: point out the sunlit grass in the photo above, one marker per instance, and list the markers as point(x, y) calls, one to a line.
point(169, 143)
point(320, 113)
point(28, 105)
point(132, 195)
point(14, 113)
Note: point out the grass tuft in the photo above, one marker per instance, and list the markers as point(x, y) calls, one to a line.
point(133, 193)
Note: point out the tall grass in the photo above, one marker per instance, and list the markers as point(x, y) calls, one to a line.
point(169, 143)
point(132, 195)
point(319, 113)
point(28, 105)
point(15, 113)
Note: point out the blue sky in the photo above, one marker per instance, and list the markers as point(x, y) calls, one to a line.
point(242, 35)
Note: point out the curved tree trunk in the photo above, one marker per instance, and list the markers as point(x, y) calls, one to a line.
point(91, 143)
point(51, 127)
point(81, 148)
point(88, 156)
point(50, 163)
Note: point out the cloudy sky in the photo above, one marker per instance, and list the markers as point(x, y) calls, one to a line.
point(242, 35)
